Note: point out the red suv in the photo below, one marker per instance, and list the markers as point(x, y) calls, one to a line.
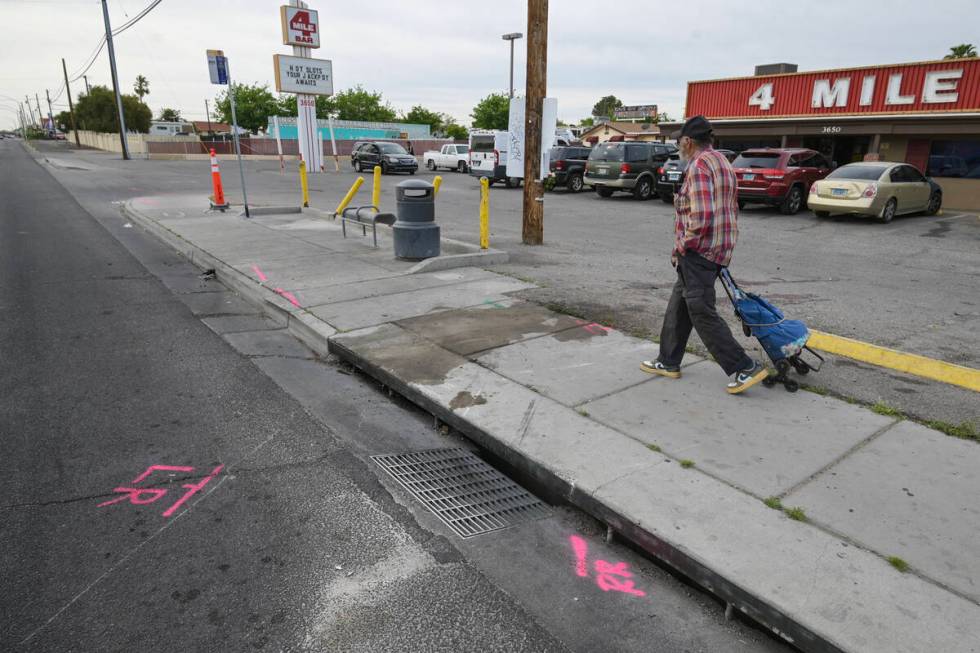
point(778, 176)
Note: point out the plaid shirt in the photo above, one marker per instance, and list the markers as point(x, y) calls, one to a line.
point(707, 209)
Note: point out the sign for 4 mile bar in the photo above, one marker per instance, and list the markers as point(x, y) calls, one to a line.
point(300, 26)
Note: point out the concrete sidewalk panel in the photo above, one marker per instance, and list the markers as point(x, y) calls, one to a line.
point(844, 595)
point(267, 343)
point(912, 493)
point(311, 272)
point(311, 330)
point(765, 441)
point(391, 285)
point(577, 365)
point(491, 324)
point(367, 312)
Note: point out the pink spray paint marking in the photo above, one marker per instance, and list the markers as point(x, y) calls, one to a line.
point(290, 296)
point(259, 273)
point(141, 496)
point(609, 577)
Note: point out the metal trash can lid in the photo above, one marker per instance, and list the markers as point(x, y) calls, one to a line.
point(410, 189)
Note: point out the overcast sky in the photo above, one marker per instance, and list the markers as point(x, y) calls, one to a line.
point(447, 54)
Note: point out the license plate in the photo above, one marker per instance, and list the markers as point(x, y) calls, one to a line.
point(673, 176)
point(748, 177)
point(838, 192)
point(603, 171)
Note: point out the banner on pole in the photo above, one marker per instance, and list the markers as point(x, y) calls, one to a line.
point(515, 130)
point(218, 67)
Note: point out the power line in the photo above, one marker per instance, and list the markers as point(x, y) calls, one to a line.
point(119, 30)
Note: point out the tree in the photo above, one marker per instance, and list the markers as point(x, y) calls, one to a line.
point(663, 117)
point(96, 111)
point(491, 112)
point(586, 122)
point(63, 121)
point(141, 87)
point(606, 106)
point(170, 115)
point(419, 115)
point(358, 104)
point(961, 51)
point(456, 132)
point(253, 106)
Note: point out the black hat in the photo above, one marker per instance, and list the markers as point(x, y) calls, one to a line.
point(696, 127)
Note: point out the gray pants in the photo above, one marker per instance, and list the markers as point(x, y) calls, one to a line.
point(692, 305)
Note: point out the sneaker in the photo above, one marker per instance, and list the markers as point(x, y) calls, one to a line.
point(656, 367)
point(747, 378)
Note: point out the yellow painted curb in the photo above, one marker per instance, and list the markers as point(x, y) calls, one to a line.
point(928, 368)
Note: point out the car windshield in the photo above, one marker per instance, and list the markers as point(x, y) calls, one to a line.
point(857, 173)
point(392, 148)
point(756, 160)
point(482, 143)
point(608, 152)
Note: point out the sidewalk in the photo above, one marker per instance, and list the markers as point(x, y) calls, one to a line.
point(564, 401)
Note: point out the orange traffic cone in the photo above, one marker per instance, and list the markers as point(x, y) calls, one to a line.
point(218, 199)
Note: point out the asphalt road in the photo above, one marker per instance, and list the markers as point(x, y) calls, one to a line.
point(910, 285)
point(260, 523)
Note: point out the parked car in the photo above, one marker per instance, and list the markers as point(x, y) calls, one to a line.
point(454, 157)
point(670, 175)
point(392, 157)
point(878, 189)
point(626, 166)
point(778, 176)
point(568, 166)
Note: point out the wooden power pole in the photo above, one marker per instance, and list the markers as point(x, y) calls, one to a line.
point(537, 86)
point(71, 107)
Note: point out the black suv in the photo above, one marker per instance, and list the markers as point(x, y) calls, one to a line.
point(568, 166)
point(626, 166)
point(670, 176)
point(392, 157)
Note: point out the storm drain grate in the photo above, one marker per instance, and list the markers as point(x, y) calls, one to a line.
point(468, 495)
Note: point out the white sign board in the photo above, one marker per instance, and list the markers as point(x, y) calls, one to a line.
point(300, 26)
point(218, 67)
point(302, 75)
point(515, 125)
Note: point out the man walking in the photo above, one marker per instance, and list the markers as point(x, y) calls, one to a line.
point(705, 231)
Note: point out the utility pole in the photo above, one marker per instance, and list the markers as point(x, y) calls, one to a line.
point(532, 232)
point(47, 95)
point(30, 111)
point(40, 114)
point(207, 114)
point(88, 89)
point(71, 106)
point(115, 81)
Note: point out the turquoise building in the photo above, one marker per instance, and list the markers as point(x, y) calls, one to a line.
point(353, 130)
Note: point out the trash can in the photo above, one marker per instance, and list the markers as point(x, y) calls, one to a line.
point(416, 234)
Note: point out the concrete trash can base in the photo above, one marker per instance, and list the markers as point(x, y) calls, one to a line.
point(415, 232)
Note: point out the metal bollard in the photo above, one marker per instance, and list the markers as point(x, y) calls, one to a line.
point(416, 234)
point(303, 183)
point(349, 197)
point(484, 213)
point(376, 190)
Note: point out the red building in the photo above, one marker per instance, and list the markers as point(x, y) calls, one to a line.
point(926, 114)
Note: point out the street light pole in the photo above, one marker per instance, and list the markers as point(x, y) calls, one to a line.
point(115, 81)
point(513, 36)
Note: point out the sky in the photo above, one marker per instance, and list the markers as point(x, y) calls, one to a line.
point(447, 54)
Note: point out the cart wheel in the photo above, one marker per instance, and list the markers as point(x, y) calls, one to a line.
point(802, 368)
point(769, 382)
point(792, 386)
point(782, 367)
point(747, 331)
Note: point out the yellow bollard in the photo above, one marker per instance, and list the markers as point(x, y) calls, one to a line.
point(436, 183)
point(303, 183)
point(376, 190)
point(349, 197)
point(484, 213)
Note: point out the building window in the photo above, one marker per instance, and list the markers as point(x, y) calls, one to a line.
point(955, 159)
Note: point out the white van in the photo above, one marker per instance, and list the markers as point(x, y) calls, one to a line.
point(488, 155)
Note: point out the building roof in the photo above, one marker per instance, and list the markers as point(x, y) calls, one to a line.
point(217, 127)
point(625, 128)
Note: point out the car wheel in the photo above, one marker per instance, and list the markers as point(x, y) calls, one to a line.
point(935, 203)
point(643, 189)
point(430, 164)
point(667, 198)
point(353, 164)
point(490, 182)
point(461, 167)
point(512, 182)
point(822, 214)
point(575, 183)
point(888, 212)
point(384, 168)
point(602, 191)
point(793, 202)
point(741, 205)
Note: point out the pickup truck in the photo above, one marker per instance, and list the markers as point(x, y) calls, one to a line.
point(454, 157)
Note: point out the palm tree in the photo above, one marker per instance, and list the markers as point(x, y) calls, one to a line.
point(141, 87)
point(962, 51)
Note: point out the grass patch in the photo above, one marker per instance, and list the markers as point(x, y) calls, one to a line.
point(583, 412)
point(964, 430)
point(687, 463)
point(898, 563)
point(774, 503)
point(654, 447)
point(564, 309)
point(796, 514)
point(882, 408)
point(816, 389)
